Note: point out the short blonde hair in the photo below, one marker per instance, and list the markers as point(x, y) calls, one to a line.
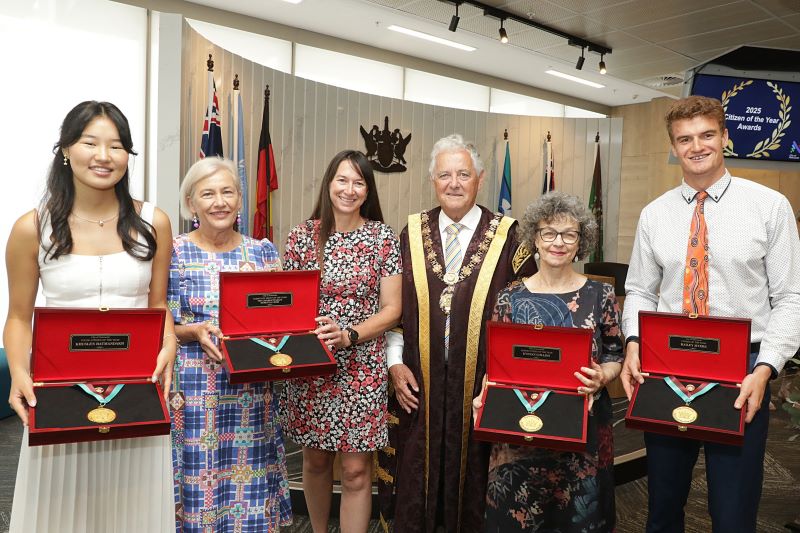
point(201, 170)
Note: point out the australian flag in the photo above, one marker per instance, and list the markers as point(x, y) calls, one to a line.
point(211, 141)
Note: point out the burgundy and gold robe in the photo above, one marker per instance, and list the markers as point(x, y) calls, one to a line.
point(410, 468)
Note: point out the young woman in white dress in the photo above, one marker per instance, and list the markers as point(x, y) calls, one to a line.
point(91, 245)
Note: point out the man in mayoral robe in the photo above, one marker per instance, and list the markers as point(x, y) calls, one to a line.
point(456, 258)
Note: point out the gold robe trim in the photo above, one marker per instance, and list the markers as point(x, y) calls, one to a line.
point(424, 339)
point(476, 308)
point(385, 476)
point(520, 256)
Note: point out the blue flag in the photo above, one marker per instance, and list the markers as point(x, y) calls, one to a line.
point(504, 202)
point(240, 166)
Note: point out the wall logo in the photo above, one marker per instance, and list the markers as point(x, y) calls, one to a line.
point(385, 148)
point(794, 153)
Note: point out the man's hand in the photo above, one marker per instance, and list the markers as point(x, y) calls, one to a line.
point(631, 369)
point(752, 392)
point(404, 383)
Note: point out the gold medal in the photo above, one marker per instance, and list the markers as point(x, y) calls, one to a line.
point(101, 415)
point(280, 359)
point(531, 423)
point(684, 414)
point(446, 299)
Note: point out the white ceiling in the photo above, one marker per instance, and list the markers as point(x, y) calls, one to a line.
point(650, 38)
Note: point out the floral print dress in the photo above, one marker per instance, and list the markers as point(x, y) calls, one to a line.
point(536, 489)
point(347, 411)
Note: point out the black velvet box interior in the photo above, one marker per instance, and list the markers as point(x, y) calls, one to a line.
point(562, 414)
point(67, 406)
point(244, 354)
point(655, 401)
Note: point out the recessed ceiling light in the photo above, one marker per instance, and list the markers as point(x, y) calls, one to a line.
point(292, 1)
point(431, 38)
point(576, 79)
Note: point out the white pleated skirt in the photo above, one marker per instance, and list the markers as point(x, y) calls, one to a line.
point(115, 486)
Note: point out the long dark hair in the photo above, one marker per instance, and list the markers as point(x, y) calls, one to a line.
point(59, 198)
point(323, 210)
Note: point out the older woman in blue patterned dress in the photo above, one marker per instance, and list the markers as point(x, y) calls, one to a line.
point(535, 489)
point(228, 454)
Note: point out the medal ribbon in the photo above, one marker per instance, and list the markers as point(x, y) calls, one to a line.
point(532, 408)
point(685, 394)
point(103, 398)
point(272, 347)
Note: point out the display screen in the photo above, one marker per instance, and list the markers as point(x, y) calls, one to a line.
point(760, 115)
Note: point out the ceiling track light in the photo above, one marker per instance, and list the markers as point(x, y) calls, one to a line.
point(602, 65)
point(581, 60)
point(503, 33)
point(454, 20)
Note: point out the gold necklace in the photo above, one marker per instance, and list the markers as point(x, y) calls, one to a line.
point(100, 222)
point(466, 269)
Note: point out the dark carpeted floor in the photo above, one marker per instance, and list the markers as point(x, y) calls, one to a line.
point(780, 502)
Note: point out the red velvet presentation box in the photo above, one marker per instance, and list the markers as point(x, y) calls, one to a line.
point(265, 307)
point(102, 348)
point(694, 350)
point(535, 359)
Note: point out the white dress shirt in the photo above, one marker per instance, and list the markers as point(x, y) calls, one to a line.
point(754, 262)
point(470, 221)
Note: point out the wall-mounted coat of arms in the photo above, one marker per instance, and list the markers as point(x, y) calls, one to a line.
point(385, 148)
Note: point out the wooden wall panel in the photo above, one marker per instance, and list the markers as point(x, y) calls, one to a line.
point(310, 122)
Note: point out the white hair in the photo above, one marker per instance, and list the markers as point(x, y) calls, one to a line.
point(455, 143)
point(201, 170)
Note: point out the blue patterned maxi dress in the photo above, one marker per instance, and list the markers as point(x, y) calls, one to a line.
point(228, 454)
point(540, 490)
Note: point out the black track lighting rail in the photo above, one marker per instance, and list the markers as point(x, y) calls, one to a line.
point(494, 12)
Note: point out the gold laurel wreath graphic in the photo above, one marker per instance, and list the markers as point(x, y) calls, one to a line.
point(726, 98)
point(773, 142)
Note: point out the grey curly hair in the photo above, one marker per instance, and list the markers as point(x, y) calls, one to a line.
point(455, 143)
point(554, 206)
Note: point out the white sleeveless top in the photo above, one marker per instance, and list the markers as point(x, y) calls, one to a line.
point(120, 486)
point(113, 280)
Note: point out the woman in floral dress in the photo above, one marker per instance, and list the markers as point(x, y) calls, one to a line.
point(228, 455)
point(535, 489)
point(359, 257)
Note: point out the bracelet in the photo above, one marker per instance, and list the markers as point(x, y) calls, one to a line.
point(177, 340)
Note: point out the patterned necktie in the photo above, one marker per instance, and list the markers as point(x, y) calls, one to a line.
point(695, 278)
point(452, 261)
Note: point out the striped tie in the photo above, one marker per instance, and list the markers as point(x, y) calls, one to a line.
point(452, 259)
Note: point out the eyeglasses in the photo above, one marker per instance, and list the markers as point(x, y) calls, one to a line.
point(462, 176)
point(567, 237)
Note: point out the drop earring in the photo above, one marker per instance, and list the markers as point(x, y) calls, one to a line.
point(575, 259)
point(195, 222)
point(535, 254)
point(239, 219)
point(66, 160)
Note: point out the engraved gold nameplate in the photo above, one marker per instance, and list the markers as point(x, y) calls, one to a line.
point(101, 415)
point(280, 359)
point(684, 414)
point(531, 423)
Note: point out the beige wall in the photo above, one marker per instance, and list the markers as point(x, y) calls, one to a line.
point(646, 173)
point(311, 122)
